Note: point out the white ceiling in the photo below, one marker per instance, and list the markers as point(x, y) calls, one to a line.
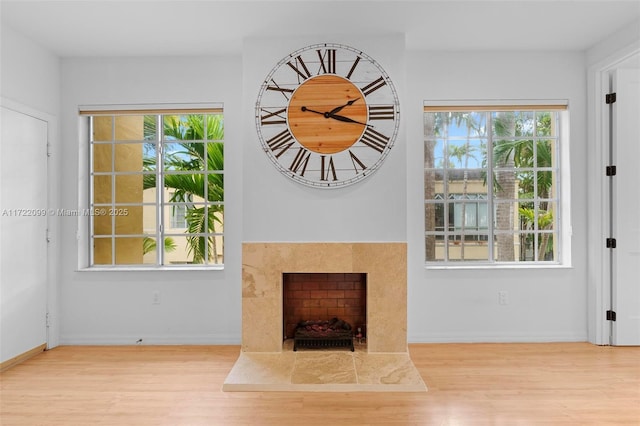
point(206, 27)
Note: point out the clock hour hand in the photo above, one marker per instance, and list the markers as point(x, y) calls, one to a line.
point(347, 119)
point(338, 109)
point(335, 116)
point(305, 109)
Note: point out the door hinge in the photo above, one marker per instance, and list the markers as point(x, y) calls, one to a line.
point(610, 98)
point(611, 315)
point(610, 170)
point(611, 243)
point(47, 320)
point(48, 236)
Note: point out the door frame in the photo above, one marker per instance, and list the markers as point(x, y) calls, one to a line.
point(598, 216)
point(52, 261)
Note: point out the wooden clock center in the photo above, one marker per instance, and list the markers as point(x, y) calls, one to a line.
point(316, 120)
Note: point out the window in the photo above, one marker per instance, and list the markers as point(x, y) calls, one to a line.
point(179, 211)
point(491, 182)
point(156, 176)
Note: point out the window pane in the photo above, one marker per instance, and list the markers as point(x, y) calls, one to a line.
point(149, 250)
point(183, 156)
point(215, 127)
point(129, 220)
point(503, 124)
point(102, 189)
point(183, 127)
point(129, 127)
point(149, 155)
point(215, 156)
point(545, 124)
point(129, 157)
point(190, 249)
point(215, 189)
point(129, 251)
point(434, 217)
point(506, 247)
point(102, 128)
point(102, 251)
point(129, 188)
point(102, 224)
point(506, 216)
point(102, 157)
point(461, 248)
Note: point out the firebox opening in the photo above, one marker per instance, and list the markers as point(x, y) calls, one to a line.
point(324, 298)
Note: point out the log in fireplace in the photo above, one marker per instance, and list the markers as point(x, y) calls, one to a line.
point(335, 333)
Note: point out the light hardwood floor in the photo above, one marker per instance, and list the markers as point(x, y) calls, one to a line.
point(469, 384)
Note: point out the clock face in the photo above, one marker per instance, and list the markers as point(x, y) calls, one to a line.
point(327, 115)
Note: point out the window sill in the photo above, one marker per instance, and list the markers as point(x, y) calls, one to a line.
point(498, 266)
point(150, 268)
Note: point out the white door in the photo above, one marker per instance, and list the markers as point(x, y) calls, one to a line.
point(23, 233)
point(626, 208)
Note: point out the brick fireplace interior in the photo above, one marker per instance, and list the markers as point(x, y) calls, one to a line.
point(323, 296)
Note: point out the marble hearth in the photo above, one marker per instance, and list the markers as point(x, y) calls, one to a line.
point(267, 363)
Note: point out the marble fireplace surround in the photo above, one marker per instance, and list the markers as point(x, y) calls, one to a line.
point(264, 263)
point(265, 363)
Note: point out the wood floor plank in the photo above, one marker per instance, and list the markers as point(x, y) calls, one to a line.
point(469, 384)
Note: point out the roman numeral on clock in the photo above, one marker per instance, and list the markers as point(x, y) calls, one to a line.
point(381, 112)
point(373, 86)
point(277, 88)
point(299, 163)
point(356, 162)
point(300, 68)
point(327, 61)
point(281, 142)
point(353, 67)
point(326, 168)
point(273, 117)
point(374, 140)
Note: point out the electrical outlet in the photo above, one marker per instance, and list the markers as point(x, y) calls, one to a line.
point(155, 298)
point(503, 298)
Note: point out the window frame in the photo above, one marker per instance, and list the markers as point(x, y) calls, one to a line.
point(163, 227)
point(562, 181)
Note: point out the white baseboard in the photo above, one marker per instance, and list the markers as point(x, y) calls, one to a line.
point(141, 339)
point(496, 338)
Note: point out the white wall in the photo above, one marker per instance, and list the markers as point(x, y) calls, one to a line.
point(200, 307)
point(462, 305)
point(278, 209)
point(30, 74)
point(204, 306)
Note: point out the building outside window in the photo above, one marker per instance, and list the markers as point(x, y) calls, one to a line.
point(492, 184)
point(156, 187)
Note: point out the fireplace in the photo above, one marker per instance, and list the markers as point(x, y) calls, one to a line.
point(264, 268)
point(266, 361)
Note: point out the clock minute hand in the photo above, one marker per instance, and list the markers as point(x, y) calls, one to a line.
point(347, 119)
point(338, 109)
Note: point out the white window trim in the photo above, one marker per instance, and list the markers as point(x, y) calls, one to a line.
point(84, 173)
point(565, 228)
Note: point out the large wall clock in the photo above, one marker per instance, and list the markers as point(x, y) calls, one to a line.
point(327, 115)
